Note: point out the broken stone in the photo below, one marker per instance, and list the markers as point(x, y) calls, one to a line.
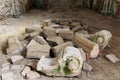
point(32, 75)
point(60, 30)
point(23, 37)
point(56, 26)
point(35, 33)
point(56, 39)
point(46, 23)
point(74, 24)
point(35, 50)
point(41, 40)
point(33, 64)
point(77, 28)
point(8, 76)
point(85, 33)
point(32, 29)
point(5, 67)
point(89, 46)
point(69, 35)
point(64, 22)
point(14, 46)
point(83, 54)
point(102, 38)
point(24, 44)
point(25, 71)
point(69, 63)
point(112, 58)
point(16, 58)
point(87, 67)
point(17, 67)
point(57, 49)
point(49, 31)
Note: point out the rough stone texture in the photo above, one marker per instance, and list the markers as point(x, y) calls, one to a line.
point(8, 76)
point(58, 40)
point(112, 58)
point(7, 31)
point(13, 8)
point(87, 67)
point(66, 34)
point(25, 71)
point(14, 46)
point(16, 58)
point(35, 50)
point(32, 75)
point(49, 31)
point(41, 40)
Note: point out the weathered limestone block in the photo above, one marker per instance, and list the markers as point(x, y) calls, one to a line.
point(25, 71)
point(74, 24)
point(35, 50)
point(77, 28)
point(16, 58)
point(49, 31)
point(35, 33)
point(41, 40)
point(14, 46)
point(8, 76)
point(69, 35)
point(112, 58)
point(87, 67)
point(69, 63)
point(46, 23)
point(61, 29)
point(64, 22)
point(89, 46)
point(56, 39)
point(102, 38)
point(58, 49)
point(32, 75)
point(32, 29)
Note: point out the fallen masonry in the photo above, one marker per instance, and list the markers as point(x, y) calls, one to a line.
point(69, 43)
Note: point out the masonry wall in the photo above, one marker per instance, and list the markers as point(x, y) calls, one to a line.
point(15, 8)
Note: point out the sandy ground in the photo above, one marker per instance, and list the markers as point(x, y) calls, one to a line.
point(102, 68)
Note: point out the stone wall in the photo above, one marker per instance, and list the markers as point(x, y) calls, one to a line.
point(15, 8)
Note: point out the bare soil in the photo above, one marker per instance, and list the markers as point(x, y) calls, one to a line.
point(102, 68)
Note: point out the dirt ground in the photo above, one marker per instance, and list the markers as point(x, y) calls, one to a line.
point(102, 68)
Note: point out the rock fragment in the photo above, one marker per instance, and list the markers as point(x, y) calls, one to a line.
point(49, 31)
point(8, 76)
point(16, 58)
point(69, 35)
point(46, 23)
point(32, 75)
point(87, 67)
point(112, 58)
point(25, 71)
point(14, 46)
point(89, 46)
point(41, 40)
point(57, 49)
point(35, 50)
point(56, 39)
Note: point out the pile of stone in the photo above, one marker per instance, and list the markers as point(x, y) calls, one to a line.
point(57, 40)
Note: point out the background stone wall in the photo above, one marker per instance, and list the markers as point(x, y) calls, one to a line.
point(15, 8)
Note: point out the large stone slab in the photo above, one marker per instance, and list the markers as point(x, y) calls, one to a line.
point(35, 50)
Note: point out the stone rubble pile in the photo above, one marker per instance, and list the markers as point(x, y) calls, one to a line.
point(58, 48)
